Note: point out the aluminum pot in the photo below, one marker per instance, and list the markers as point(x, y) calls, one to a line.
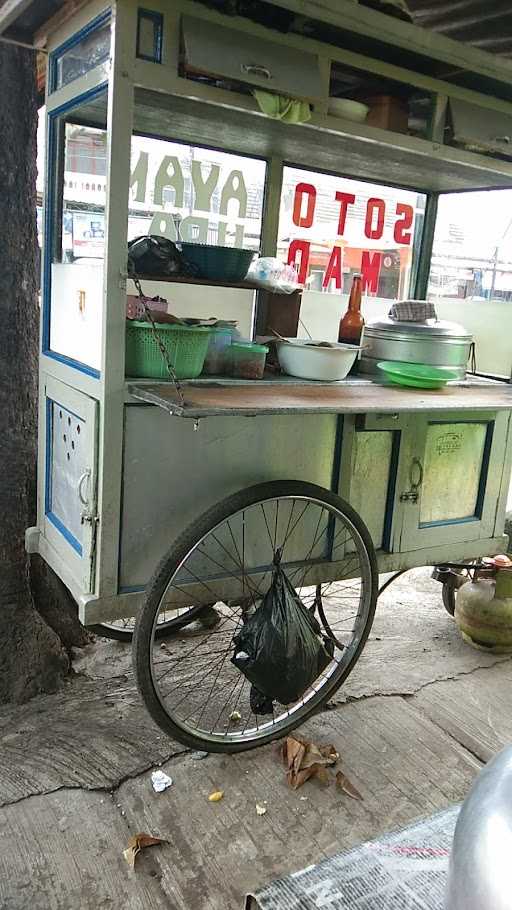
point(438, 343)
point(480, 873)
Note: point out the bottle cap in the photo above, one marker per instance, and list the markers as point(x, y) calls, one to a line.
point(357, 275)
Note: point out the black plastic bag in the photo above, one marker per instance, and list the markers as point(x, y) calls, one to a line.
point(154, 255)
point(280, 649)
point(259, 703)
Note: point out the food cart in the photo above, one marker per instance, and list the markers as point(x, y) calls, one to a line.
point(171, 504)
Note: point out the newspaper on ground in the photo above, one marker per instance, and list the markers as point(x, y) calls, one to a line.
point(405, 870)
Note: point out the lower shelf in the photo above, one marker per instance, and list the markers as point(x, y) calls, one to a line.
point(210, 399)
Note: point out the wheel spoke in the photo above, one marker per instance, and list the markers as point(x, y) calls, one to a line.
point(194, 680)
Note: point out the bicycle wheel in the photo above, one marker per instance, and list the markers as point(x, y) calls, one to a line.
point(169, 622)
point(191, 688)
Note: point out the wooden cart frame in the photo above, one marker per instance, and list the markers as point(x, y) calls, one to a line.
point(355, 429)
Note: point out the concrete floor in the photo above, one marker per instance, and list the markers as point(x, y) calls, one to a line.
point(413, 724)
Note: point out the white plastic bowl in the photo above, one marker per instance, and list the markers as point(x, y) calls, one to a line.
point(300, 359)
point(350, 110)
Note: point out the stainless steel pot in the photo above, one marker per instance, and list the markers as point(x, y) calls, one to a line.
point(480, 873)
point(438, 343)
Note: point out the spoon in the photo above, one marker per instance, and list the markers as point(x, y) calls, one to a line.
point(177, 226)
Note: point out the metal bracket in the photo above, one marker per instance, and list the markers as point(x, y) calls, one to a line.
point(32, 540)
point(87, 518)
point(410, 496)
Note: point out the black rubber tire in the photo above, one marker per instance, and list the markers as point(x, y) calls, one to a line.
point(142, 642)
point(164, 630)
point(448, 594)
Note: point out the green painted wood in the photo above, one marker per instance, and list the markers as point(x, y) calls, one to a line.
point(444, 465)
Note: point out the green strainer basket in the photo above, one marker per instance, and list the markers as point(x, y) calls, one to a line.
point(185, 345)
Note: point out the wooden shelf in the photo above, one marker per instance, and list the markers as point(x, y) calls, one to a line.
point(208, 282)
point(365, 152)
point(252, 399)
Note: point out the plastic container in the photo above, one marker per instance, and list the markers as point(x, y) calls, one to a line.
point(218, 263)
point(135, 307)
point(186, 347)
point(348, 109)
point(388, 112)
point(248, 360)
point(217, 360)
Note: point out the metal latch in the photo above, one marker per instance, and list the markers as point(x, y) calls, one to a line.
point(87, 518)
point(409, 496)
point(415, 479)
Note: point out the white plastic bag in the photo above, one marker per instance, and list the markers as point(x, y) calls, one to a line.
point(273, 275)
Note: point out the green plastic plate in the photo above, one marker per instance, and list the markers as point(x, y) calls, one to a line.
point(417, 375)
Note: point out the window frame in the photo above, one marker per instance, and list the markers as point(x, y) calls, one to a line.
point(94, 25)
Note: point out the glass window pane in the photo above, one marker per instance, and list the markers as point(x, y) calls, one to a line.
point(90, 51)
point(149, 35)
point(75, 237)
point(85, 186)
point(218, 196)
point(331, 227)
point(471, 273)
point(219, 199)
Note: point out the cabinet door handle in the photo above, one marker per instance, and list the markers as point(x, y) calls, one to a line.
point(256, 69)
point(83, 479)
point(415, 481)
point(416, 463)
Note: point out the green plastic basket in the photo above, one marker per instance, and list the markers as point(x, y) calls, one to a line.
point(186, 347)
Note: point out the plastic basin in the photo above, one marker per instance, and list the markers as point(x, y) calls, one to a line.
point(218, 263)
point(306, 361)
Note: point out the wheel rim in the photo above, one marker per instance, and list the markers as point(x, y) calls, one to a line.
point(193, 678)
point(168, 620)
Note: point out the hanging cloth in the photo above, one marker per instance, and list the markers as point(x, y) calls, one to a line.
point(279, 107)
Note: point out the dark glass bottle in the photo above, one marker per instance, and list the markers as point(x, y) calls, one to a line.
point(351, 324)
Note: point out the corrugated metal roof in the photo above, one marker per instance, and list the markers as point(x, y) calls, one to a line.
point(485, 25)
point(32, 17)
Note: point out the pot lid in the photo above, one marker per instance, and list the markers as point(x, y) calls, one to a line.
point(436, 328)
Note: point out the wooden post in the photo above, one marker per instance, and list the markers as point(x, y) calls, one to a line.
point(279, 313)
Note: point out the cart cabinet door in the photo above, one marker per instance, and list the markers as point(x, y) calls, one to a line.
point(219, 51)
point(478, 129)
point(451, 478)
point(70, 478)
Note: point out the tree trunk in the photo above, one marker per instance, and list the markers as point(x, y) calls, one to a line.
point(33, 657)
